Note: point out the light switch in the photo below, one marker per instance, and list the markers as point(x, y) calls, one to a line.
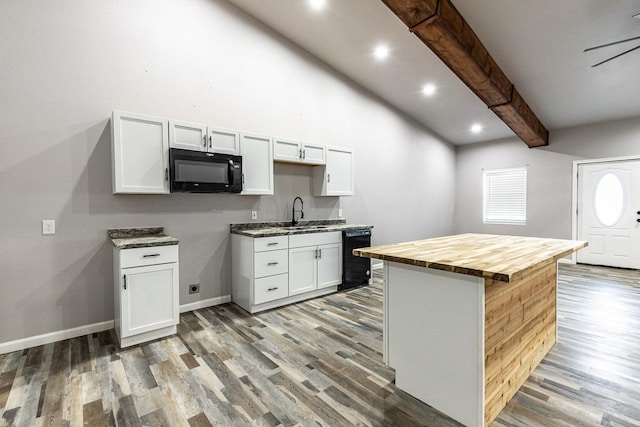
point(339, 213)
point(48, 226)
point(254, 214)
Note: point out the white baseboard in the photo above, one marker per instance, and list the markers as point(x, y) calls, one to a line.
point(21, 344)
point(205, 303)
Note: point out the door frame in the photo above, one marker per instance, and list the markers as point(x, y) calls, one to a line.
point(574, 191)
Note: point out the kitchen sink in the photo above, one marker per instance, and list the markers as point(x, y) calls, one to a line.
point(305, 227)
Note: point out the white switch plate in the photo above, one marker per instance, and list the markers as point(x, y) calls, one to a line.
point(339, 213)
point(254, 214)
point(48, 226)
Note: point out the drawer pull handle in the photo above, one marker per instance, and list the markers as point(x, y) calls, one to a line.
point(272, 243)
point(124, 278)
point(150, 255)
point(272, 289)
point(273, 263)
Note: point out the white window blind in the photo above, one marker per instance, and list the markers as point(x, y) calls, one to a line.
point(505, 196)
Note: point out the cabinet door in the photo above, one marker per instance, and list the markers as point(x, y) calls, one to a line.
point(329, 265)
point(187, 136)
point(313, 154)
point(224, 141)
point(257, 164)
point(302, 270)
point(339, 172)
point(139, 154)
point(149, 298)
point(286, 151)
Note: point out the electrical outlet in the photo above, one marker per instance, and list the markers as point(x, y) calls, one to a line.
point(339, 213)
point(254, 214)
point(48, 226)
point(194, 288)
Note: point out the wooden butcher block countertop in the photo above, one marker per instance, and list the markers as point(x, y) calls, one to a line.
point(503, 258)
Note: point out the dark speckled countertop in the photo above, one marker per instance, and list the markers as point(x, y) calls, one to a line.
point(127, 238)
point(284, 228)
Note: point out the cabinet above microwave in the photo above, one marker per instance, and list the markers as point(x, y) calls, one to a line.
point(199, 137)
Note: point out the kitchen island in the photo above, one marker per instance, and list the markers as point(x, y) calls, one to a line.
point(467, 318)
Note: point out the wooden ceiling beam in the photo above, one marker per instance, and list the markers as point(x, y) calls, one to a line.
point(443, 29)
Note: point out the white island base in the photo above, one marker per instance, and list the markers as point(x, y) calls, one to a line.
point(465, 344)
point(434, 338)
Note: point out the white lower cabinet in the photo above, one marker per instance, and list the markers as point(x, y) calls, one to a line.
point(146, 293)
point(304, 270)
point(314, 261)
point(268, 272)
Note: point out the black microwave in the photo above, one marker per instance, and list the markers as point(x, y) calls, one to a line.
point(200, 172)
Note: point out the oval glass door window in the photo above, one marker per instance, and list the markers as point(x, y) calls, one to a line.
point(609, 200)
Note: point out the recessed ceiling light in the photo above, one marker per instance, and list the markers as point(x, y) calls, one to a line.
point(476, 128)
point(317, 4)
point(429, 89)
point(381, 52)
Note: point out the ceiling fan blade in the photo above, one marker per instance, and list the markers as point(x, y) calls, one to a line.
point(616, 56)
point(611, 44)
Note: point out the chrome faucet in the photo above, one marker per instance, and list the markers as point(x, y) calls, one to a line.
point(293, 211)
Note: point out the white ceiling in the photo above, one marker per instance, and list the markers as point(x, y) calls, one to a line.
point(538, 44)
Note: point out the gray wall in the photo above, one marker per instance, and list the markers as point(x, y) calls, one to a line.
point(549, 175)
point(66, 65)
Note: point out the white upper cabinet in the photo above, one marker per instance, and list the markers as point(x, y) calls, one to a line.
point(188, 136)
point(139, 154)
point(257, 164)
point(198, 137)
point(313, 154)
point(223, 141)
point(336, 177)
point(286, 150)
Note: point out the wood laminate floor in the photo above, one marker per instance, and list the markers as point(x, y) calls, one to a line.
point(319, 363)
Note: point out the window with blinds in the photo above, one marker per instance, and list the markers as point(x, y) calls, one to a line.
point(505, 196)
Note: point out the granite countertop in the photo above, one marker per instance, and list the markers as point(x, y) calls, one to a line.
point(127, 238)
point(284, 228)
point(503, 258)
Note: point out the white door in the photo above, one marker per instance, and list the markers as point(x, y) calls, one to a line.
point(609, 213)
point(224, 141)
point(140, 154)
point(187, 136)
point(286, 150)
point(302, 270)
point(329, 265)
point(314, 154)
point(339, 172)
point(149, 298)
point(257, 164)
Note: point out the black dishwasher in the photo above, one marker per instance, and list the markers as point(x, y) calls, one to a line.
point(356, 270)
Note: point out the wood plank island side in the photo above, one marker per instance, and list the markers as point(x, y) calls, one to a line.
point(467, 318)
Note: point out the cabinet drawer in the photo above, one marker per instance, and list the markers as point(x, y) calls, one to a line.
point(138, 257)
point(271, 288)
point(313, 239)
point(270, 243)
point(271, 263)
